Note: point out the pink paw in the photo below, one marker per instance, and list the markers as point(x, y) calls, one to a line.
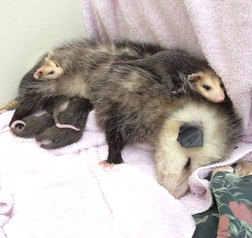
point(105, 164)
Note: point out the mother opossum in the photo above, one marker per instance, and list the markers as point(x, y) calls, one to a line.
point(131, 107)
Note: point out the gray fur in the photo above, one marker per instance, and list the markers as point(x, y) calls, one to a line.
point(75, 114)
point(141, 104)
point(138, 110)
point(171, 67)
point(78, 59)
point(34, 125)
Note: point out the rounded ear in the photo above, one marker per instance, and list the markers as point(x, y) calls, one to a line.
point(49, 55)
point(37, 74)
point(193, 77)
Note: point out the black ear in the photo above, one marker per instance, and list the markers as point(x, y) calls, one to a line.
point(190, 135)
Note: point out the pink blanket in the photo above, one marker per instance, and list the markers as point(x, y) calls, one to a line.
point(219, 30)
point(64, 193)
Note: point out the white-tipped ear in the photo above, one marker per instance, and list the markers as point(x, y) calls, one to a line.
point(50, 53)
point(193, 77)
point(37, 74)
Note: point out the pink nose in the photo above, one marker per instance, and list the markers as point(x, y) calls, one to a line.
point(219, 99)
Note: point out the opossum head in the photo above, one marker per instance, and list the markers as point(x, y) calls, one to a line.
point(209, 85)
point(175, 162)
point(49, 69)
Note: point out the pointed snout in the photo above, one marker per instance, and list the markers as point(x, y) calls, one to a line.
point(175, 186)
point(218, 98)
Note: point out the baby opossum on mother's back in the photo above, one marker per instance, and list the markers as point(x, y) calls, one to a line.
point(139, 110)
point(173, 66)
point(63, 71)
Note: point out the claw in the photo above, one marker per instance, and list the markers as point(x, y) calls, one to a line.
point(243, 168)
point(105, 164)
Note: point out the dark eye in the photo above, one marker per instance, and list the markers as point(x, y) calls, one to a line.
point(222, 85)
point(206, 87)
point(188, 163)
point(51, 72)
point(57, 65)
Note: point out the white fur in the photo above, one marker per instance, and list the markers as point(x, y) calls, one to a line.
point(171, 158)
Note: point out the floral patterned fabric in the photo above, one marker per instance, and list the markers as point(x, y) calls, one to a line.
point(231, 214)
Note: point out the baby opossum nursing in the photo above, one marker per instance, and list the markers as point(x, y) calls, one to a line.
point(43, 127)
point(62, 105)
point(138, 110)
point(76, 113)
point(32, 125)
point(173, 66)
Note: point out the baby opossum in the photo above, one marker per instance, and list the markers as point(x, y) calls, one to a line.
point(67, 66)
point(48, 69)
point(61, 103)
point(76, 113)
point(31, 126)
point(171, 66)
point(138, 110)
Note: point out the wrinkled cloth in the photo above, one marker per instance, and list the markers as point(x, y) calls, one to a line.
point(65, 193)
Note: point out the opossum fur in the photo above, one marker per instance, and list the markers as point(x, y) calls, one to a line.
point(172, 66)
point(75, 114)
point(77, 59)
point(131, 107)
point(32, 125)
point(221, 130)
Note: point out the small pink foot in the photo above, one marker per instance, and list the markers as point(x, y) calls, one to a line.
point(243, 168)
point(225, 168)
point(105, 164)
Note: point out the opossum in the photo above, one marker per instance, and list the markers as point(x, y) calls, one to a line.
point(71, 64)
point(138, 110)
point(76, 113)
point(61, 103)
point(173, 65)
point(49, 69)
point(221, 131)
point(32, 126)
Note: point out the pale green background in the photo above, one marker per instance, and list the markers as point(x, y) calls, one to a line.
point(28, 28)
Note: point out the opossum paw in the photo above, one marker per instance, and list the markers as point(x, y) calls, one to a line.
point(18, 125)
point(243, 168)
point(106, 164)
point(223, 169)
